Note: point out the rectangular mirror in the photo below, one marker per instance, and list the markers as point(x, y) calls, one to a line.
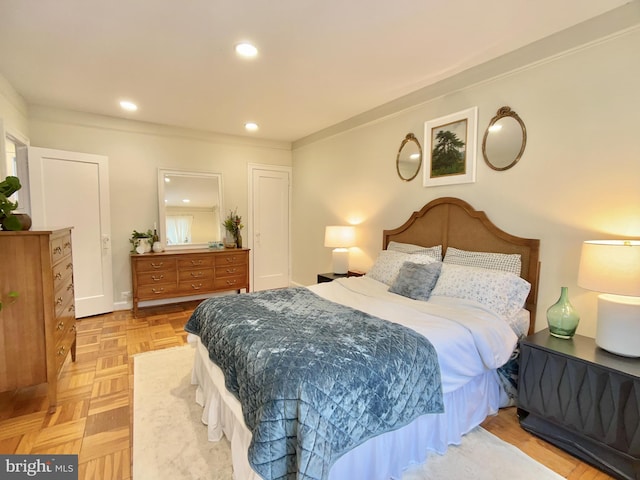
point(189, 208)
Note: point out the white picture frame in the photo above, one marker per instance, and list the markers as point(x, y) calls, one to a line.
point(450, 149)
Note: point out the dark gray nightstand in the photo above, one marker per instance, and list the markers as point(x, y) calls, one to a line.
point(582, 399)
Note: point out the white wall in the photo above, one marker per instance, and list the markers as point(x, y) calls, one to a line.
point(136, 150)
point(13, 119)
point(579, 177)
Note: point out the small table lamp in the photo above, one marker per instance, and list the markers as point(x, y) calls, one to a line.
point(613, 268)
point(340, 238)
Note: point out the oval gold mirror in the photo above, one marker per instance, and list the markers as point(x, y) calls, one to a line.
point(409, 158)
point(504, 140)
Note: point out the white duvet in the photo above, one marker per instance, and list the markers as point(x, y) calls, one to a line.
point(468, 338)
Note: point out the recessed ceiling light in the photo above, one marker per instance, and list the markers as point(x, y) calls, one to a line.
point(129, 106)
point(246, 49)
point(185, 200)
point(251, 126)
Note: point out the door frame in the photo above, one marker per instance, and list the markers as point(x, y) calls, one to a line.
point(251, 167)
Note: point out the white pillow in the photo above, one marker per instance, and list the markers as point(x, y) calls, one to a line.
point(506, 262)
point(388, 264)
point(435, 252)
point(502, 292)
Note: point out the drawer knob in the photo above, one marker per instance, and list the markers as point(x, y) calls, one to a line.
point(157, 265)
point(196, 287)
point(71, 308)
point(232, 270)
point(58, 276)
point(157, 279)
point(158, 291)
point(197, 274)
point(59, 301)
point(57, 250)
point(232, 282)
point(61, 351)
point(196, 262)
point(69, 266)
point(60, 326)
point(70, 287)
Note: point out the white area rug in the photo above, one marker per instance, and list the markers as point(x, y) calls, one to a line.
point(170, 442)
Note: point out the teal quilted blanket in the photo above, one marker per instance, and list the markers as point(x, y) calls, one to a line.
point(315, 378)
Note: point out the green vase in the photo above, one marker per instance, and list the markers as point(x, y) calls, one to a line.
point(562, 317)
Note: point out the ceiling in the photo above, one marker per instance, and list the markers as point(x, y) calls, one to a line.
point(320, 62)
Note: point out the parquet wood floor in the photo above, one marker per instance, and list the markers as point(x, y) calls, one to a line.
point(95, 394)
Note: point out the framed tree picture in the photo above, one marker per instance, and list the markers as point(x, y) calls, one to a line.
point(450, 149)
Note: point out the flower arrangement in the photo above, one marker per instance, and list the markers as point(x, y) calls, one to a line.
point(136, 236)
point(233, 225)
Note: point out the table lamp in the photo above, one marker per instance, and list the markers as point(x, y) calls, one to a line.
point(340, 238)
point(612, 267)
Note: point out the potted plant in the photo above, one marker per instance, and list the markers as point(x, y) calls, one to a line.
point(141, 238)
point(8, 219)
point(233, 225)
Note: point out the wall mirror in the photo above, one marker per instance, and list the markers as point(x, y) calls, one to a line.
point(409, 158)
point(504, 140)
point(189, 208)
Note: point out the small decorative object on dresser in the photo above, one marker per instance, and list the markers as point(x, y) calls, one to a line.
point(562, 317)
point(233, 226)
point(8, 219)
point(583, 400)
point(141, 242)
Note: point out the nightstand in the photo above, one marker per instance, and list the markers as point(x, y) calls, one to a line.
point(330, 277)
point(582, 399)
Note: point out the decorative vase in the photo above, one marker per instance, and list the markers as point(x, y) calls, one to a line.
point(157, 247)
point(229, 240)
point(562, 317)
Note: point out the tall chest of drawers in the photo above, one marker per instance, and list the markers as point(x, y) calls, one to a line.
point(180, 273)
point(38, 329)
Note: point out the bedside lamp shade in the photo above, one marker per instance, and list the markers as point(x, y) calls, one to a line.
point(612, 267)
point(340, 238)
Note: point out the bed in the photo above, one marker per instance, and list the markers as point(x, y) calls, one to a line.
point(427, 353)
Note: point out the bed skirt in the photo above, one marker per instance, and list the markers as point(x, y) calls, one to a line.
point(379, 458)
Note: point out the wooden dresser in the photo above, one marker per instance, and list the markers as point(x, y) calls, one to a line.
point(38, 330)
point(179, 273)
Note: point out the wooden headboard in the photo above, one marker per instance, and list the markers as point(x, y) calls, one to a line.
point(452, 222)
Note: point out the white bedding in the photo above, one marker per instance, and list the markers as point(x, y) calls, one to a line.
point(470, 341)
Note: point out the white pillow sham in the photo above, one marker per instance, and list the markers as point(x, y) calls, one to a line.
point(386, 267)
point(505, 262)
point(435, 252)
point(502, 292)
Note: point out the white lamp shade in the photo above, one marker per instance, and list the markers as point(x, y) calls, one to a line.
point(339, 236)
point(611, 266)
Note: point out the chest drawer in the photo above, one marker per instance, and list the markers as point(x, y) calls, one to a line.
point(155, 264)
point(157, 277)
point(231, 259)
point(60, 247)
point(195, 261)
point(165, 290)
point(231, 271)
point(62, 272)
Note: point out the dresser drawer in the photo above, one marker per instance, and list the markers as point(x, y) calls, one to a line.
point(154, 264)
point(60, 247)
point(231, 259)
point(231, 271)
point(231, 283)
point(195, 261)
point(61, 272)
point(63, 301)
point(156, 277)
point(194, 287)
point(147, 292)
point(62, 326)
point(63, 347)
point(197, 274)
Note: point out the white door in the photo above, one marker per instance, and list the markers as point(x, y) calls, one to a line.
point(269, 212)
point(72, 189)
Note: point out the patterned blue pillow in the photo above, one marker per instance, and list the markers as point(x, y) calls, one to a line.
point(416, 280)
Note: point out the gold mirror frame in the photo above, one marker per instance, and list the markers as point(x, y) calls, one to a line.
point(510, 144)
point(407, 173)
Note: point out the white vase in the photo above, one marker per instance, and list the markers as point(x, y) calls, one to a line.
point(157, 247)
